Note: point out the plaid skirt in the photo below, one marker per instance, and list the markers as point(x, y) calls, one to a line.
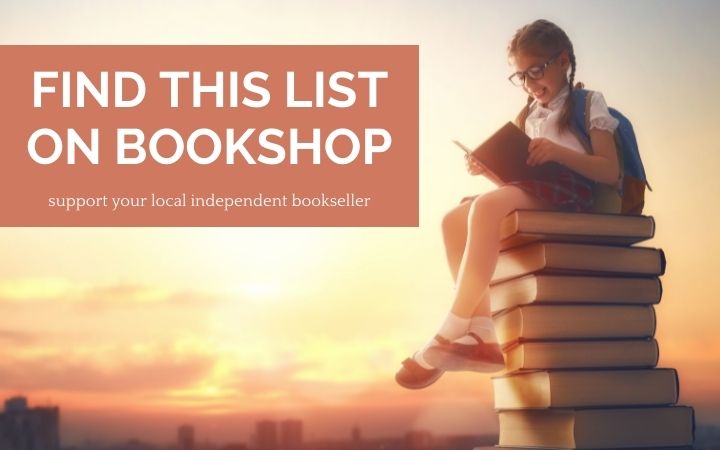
point(570, 192)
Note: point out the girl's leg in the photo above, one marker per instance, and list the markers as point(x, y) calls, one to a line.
point(482, 246)
point(471, 233)
point(455, 228)
point(455, 231)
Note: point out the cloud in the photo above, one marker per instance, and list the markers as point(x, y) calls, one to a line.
point(33, 290)
point(17, 337)
point(57, 373)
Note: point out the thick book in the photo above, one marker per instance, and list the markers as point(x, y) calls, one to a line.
point(524, 226)
point(574, 322)
point(586, 388)
point(565, 289)
point(598, 428)
point(504, 157)
point(577, 259)
point(608, 354)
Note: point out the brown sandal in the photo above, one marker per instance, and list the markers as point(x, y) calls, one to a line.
point(480, 357)
point(413, 376)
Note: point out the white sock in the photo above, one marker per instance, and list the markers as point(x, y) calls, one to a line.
point(452, 328)
point(484, 327)
point(418, 356)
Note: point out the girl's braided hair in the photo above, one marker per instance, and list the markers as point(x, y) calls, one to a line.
point(544, 38)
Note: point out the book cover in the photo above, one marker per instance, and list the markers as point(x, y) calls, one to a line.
point(582, 354)
point(586, 388)
point(504, 156)
point(574, 322)
point(578, 289)
point(578, 428)
point(578, 259)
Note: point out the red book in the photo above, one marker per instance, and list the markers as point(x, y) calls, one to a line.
point(504, 156)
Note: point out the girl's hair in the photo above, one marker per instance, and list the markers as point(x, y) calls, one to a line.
point(544, 38)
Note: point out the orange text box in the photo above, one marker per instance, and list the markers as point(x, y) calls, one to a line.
point(209, 136)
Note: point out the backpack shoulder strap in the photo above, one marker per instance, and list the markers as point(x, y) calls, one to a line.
point(581, 125)
point(580, 122)
point(588, 102)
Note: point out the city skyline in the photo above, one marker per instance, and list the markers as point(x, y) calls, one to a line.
point(45, 433)
point(25, 427)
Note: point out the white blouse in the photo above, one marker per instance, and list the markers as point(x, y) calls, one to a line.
point(543, 121)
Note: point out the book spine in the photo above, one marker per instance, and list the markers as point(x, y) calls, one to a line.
point(657, 351)
point(654, 320)
point(652, 228)
point(663, 261)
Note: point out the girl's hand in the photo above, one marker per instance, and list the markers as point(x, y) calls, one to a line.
point(542, 150)
point(473, 166)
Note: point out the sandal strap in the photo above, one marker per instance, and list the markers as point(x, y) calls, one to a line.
point(413, 366)
point(442, 340)
point(476, 337)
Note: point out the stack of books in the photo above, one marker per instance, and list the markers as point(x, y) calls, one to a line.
point(572, 299)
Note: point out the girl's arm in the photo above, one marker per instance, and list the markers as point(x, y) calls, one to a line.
point(601, 166)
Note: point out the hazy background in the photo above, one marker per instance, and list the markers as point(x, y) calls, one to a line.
point(133, 330)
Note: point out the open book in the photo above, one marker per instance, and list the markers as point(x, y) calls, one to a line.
point(504, 157)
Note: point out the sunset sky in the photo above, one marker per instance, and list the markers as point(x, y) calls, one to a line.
point(135, 330)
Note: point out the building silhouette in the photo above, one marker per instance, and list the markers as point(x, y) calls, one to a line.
point(186, 437)
point(291, 435)
point(356, 442)
point(235, 447)
point(418, 439)
point(266, 435)
point(23, 428)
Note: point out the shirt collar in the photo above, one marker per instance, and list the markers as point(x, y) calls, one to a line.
point(556, 102)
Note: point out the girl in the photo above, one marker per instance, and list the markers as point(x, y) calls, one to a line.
point(542, 56)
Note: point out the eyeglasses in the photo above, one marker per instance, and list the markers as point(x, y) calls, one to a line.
point(534, 72)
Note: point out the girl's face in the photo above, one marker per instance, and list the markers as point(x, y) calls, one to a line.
point(554, 77)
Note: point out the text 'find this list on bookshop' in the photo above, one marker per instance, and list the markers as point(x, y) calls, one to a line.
point(210, 136)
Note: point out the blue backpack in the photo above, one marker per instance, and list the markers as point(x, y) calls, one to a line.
point(628, 197)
